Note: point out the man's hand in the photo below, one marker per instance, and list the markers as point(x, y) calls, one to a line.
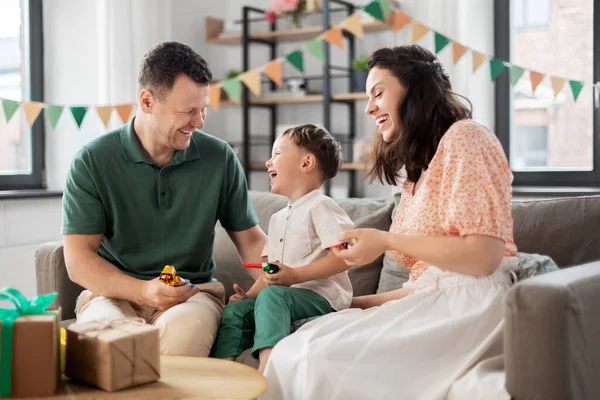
point(284, 277)
point(157, 294)
point(238, 295)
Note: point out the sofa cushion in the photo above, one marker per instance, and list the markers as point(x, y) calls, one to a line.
point(564, 229)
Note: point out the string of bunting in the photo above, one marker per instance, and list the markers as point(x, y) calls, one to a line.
point(378, 9)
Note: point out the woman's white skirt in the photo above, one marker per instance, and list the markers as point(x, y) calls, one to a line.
point(444, 341)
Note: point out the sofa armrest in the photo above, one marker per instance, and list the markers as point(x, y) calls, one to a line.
point(51, 276)
point(552, 335)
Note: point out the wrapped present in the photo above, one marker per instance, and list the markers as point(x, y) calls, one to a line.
point(113, 355)
point(29, 346)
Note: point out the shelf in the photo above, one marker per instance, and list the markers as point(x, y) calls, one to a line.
point(349, 96)
point(213, 27)
point(311, 98)
point(257, 166)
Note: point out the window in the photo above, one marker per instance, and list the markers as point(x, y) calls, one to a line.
point(531, 13)
point(21, 79)
point(550, 139)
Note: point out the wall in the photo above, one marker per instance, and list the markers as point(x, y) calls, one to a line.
point(92, 49)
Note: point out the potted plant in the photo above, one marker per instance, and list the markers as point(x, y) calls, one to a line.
point(292, 9)
point(360, 70)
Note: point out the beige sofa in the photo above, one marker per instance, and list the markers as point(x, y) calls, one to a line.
point(552, 334)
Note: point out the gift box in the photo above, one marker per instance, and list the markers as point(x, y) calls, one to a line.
point(29, 346)
point(113, 355)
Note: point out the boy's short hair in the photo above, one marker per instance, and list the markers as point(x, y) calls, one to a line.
point(319, 142)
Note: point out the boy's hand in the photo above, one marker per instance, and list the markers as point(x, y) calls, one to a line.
point(286, 276)
point(239, 294)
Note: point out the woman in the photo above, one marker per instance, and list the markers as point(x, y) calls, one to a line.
point(440, 335)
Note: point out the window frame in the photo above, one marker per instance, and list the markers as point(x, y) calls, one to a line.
point(36, 179)
point(527, 26)
point(504, 108)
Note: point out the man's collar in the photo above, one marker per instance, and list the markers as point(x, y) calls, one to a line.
point(132, 150)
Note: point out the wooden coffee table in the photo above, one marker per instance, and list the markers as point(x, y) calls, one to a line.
point(184, 377)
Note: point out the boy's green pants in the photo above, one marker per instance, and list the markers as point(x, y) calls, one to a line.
point(264, 321)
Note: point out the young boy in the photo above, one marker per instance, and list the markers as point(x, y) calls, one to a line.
point(310, 281)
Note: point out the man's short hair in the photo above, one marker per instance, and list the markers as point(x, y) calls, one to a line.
point(319, 142)
point(165, 61)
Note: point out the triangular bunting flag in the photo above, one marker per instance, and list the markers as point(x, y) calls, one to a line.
point(386, 6)
point(104, 112)
point(233, 88)
point(124, 111)
point(400, 20)
point(252, 81)
point(496, 66)
point(576, 87)
point(32, 110)
point(478, 59)
point(536, 78)
point(335, 37)
point(374, 10)
point(458, 50)
point(419, 30)
point(9, 106)
point(515, 74)
point(274, 70)
point(441, 41)
point(78, 114)
point(53, 113)
point(557, 85)
point(315, 48)
point(353, 25)
point(214, 96)
point(295, 58)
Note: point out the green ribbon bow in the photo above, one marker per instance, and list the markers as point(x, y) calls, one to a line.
point(8, 316)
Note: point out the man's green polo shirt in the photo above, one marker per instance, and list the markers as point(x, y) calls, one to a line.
point(152, 216)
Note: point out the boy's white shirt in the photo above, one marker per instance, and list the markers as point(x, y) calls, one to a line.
point(300, 234)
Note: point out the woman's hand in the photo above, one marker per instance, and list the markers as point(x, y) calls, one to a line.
point(365, 245)
point(284, 277)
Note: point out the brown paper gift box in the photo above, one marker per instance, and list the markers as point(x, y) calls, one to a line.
point(35, 364)
point(114, 355)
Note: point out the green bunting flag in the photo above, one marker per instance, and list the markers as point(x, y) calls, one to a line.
point(53, 113)
point(10, 107)
point(79, 114)
point(233, 88)
point(576, 87)
point(315, 49)
point(386, 6)
point(515, 74)
point(441, 41)
point(374, 10)
point(496, 66)
point(295, 58)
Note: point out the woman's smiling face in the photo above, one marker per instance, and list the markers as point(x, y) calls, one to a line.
point(385, 93)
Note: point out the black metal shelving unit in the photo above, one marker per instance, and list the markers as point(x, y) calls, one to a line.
point(327, 103)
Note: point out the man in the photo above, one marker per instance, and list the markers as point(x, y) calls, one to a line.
point(148, 195)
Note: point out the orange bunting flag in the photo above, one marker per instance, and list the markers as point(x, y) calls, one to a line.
point(353, 25)
point(32, 110)
point(557, 84)
point(536, 79)
point(458, 50)
point(334, 36)
point(214, 96)
point(252, 81)
point(478, 59)
point(124, 111)
point(419, 30)
point(400, 20)
point(274, 70)
point(104, 112)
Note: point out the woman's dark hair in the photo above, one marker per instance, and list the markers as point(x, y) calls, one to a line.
point(428, 110)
